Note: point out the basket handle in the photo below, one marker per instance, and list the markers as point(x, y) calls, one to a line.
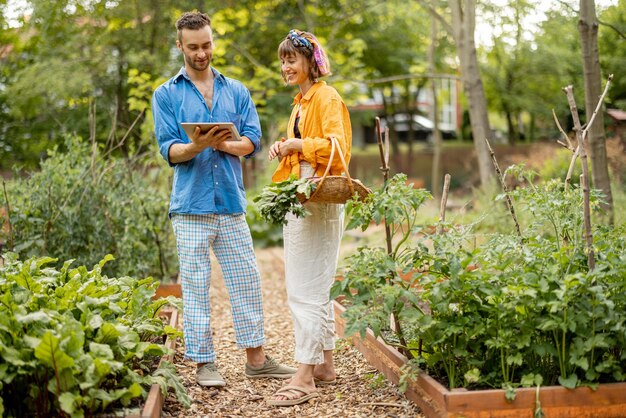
point(334, 146)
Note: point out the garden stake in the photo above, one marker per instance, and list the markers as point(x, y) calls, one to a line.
point(384, 157)
point(584, 133)
point(584, 182)
point(444, 202)
point(509, 202)
point(581, 135)
point(8, 208)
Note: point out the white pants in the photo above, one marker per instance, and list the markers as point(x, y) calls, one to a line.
point(311, 252)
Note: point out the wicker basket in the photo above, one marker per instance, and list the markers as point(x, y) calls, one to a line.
point(335, 189)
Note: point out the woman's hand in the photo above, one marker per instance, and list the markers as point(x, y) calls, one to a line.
point(275, 149)
point(284, 147)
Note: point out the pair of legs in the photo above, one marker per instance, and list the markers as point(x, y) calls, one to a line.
point(229, 237)
point(311, 253)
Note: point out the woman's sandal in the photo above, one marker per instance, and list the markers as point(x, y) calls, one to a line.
point(320, 382)
point(289, 391)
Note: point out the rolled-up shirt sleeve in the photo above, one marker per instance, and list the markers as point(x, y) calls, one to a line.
point(165, 125)
point(251, 126)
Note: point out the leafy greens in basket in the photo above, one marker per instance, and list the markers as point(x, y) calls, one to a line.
point(277, 199)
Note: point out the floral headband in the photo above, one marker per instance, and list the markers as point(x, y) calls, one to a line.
point(310, 42)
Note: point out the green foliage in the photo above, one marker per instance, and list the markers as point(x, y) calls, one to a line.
point(75, 342)
point(278, 199)
point(613, 49)
point(264, 234)
point(373, 281)
point(375, 380)
point(558, 165)
point(502, 311)
point(69, 58)
point(84, 204)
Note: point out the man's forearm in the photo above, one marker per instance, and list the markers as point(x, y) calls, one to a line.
point(238, 148)
point(179, 153)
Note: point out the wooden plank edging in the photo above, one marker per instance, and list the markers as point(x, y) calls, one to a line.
point(155, 400)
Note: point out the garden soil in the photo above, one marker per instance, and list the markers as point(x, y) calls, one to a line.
point(360, 390)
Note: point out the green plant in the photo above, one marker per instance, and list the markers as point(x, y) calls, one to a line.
point(375, 380)
point(373, 283)
point(556, 167)
point(85, 203)
point(499, 310)
point(76, 343)
point(264, 234)
point(279, 198)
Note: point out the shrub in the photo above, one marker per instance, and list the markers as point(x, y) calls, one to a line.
point(84, 204)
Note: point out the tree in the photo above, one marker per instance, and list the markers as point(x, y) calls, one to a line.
point(462, 27)
point(436, 174)
point(553, 63)
point(507, 72)
point(70, 58)
point(588, 28)
point(612, 41)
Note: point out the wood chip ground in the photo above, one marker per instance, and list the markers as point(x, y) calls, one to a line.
point(360, 390)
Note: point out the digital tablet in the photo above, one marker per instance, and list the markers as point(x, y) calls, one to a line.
point(189, 127)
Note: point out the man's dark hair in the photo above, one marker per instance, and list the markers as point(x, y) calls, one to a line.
point(193, 21)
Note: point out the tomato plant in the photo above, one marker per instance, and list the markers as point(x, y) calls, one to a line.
point(497, 310)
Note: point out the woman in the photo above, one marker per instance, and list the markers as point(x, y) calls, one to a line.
point(312, 243)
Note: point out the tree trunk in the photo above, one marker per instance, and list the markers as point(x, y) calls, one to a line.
point(409, 103)
point(511, 123)
point(588, 28)
point(435, 186)
point(463, 26)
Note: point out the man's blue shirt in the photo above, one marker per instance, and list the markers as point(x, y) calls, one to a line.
point(211, 182)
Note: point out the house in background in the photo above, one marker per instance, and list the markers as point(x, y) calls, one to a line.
point(393, 113)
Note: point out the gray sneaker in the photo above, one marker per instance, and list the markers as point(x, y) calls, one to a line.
point(207, 375)
point(269, 369)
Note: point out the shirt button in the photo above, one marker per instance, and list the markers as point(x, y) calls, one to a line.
point(216, 183)
point(215, 166)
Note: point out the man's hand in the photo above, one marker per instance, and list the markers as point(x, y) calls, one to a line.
point(214, 137)
point(211, 138)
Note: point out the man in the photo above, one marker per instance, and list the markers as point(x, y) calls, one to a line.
point(208, 201)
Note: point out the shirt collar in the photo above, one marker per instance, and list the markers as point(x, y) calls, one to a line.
point(183, 73)
point(309, 94)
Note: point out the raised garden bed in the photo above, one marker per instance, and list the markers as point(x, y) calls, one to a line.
point(435, 400)
point(154, 402)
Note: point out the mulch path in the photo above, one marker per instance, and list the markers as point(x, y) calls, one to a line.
point(360, 390)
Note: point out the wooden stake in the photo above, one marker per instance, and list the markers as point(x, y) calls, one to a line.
point(8, 209)
point(444, 202)
point(384, 158)
point(591, 260)
point(581, 134)
point(509, 202)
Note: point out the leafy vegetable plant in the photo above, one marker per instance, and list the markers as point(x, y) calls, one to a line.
point(75, 343)
point(278, 199)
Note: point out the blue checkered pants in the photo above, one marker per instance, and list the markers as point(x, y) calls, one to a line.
point(229, 236)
